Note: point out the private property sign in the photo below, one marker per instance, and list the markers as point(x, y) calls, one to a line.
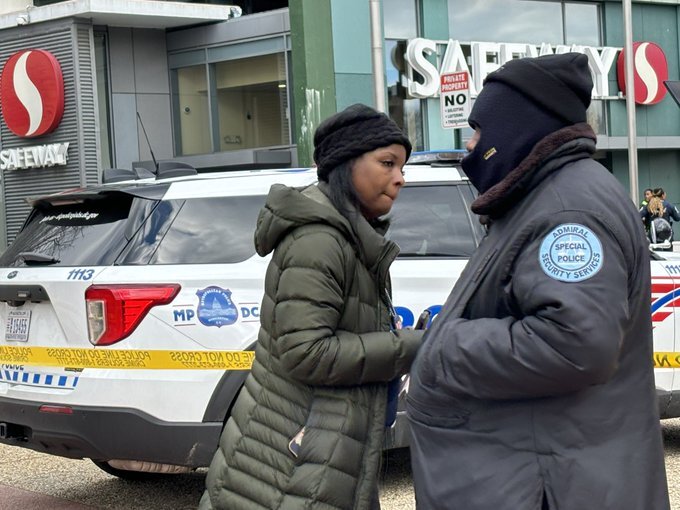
point(455, 99)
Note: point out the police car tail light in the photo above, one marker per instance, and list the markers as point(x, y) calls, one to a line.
point(114, 311)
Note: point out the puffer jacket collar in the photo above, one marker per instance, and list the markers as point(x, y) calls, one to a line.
point(288, 208)
point(551, 153)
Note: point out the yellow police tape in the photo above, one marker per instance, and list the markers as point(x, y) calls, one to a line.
point(667, 360)
point(128, 358)
point(169, 360)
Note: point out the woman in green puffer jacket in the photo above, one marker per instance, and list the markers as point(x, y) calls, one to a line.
point(306, 431)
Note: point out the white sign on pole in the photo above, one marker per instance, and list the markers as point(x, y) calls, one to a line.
point(455, 99)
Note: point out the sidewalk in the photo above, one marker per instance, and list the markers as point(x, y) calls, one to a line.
point(12, 498)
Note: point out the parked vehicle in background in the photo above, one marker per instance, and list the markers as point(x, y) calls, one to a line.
point(665, 267)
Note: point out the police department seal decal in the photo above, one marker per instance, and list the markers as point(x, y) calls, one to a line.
point(571, 253)
point(215, 307)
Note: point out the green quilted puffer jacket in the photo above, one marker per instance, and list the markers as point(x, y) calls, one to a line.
point(324, 356)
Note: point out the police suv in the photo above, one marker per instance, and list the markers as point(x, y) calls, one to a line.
point(130, 310)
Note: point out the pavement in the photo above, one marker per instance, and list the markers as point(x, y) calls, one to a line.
point(12, 498)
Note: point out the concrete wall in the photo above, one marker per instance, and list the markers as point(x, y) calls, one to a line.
point(7, 6)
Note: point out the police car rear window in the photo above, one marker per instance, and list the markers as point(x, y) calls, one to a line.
point(434, 221)
point(90, 232)
point(215, 230)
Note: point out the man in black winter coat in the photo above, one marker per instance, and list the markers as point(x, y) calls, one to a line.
point(534, 388)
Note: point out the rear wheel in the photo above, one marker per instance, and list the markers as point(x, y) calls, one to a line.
point(139, 475)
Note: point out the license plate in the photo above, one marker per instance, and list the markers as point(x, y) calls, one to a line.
point(18, 322)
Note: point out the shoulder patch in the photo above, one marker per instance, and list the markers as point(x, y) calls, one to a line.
point(571, 253)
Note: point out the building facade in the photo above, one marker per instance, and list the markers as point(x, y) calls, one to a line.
point(243, 84)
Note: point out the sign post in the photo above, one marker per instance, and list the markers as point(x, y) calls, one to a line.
point(455, 99)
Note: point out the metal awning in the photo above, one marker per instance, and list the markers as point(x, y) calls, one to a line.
point(124, 13)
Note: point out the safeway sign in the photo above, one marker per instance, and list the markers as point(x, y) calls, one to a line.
point(455, 99)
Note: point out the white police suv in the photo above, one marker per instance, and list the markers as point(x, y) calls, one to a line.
point(129, 310)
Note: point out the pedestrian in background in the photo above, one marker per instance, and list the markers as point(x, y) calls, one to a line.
point(647, 195)
point(670, 213)
point(657, 222)
point(307, 428)
point(534, 387)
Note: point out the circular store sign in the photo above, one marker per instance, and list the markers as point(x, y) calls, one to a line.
point(650, 71)
point(32, 93)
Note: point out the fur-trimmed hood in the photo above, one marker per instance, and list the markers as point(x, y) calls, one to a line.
point(550, 154)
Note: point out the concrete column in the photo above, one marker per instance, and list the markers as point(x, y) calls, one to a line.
point(311, 35)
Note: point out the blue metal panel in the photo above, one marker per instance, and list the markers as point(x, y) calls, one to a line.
point(435, 19)
point(438, 137)
point(127, 148)
point(120, 60)
point(353, 88)
point(155, 112)
point(247, 49)
point(187, 58)
point(351, 36)
point(150, 61)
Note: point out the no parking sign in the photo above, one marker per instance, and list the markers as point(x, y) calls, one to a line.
point(455, 99)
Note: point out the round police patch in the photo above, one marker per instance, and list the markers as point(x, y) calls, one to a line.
point(571, 253)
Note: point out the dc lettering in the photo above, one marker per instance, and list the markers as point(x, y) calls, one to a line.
point(252, 311)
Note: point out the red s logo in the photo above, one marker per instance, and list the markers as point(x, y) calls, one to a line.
point(32, 93)
point(650, 70)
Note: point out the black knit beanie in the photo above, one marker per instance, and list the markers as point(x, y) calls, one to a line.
point(561, 84)
point(521, 103)
point(352, 132)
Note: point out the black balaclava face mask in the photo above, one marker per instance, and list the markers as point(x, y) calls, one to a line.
point(510, 125)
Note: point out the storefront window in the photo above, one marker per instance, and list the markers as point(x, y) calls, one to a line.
point(525, 21)
point(231, 97)
point(400, 19)
point(192, 111)
point(581, 24)
point(252, 102)
point(518, 21)
point(529, 21)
